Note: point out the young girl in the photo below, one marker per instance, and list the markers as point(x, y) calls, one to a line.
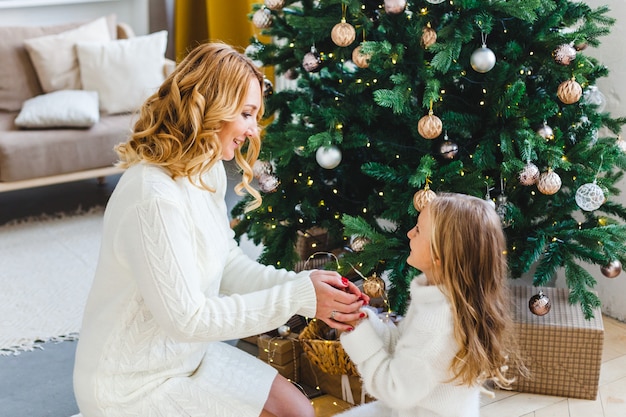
point(455, 333)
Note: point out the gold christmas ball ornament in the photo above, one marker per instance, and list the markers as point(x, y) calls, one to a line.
point(529, 175)
point(612, 269)
point(374, 286)
point(343, 34)
point(589, 197)
point(569, 92)
point(423, 197)
point(429, 126)
point(274, 4)
point(262, 18)
point(429, 37)
point(360, 59)
point(549, 182)
point(358, 243)
point(539, 304)
point(395, 6)
point(564, 54)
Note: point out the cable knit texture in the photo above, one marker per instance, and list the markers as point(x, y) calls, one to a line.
point(406, 367)
point(171, 285)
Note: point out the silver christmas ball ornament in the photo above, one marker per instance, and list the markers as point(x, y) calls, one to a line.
point(529, 175)
point(311, 61)
point(284, 330)
point(268, 183)
point(483, 59)
point(612, 269)
point(328, 157)
point(564, 54)
point(395, 6)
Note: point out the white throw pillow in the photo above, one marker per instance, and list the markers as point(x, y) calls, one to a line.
point(54, 56)
point(124, 72)
point(64, 108)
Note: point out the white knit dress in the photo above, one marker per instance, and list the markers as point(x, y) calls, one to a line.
point(170, 285)
point(406, 367)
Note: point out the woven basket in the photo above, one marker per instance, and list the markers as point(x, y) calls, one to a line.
point(328, 355)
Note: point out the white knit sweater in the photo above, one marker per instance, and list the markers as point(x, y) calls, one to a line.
point(405, 367)
point(170, 285)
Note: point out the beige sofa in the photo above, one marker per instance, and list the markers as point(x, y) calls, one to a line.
point(32, 157)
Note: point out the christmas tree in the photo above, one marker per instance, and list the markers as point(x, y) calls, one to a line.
point(392, 101)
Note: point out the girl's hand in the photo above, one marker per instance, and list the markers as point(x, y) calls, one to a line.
point(338, 299)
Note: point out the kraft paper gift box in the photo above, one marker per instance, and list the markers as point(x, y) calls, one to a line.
point(279, 350)
point(562, 350)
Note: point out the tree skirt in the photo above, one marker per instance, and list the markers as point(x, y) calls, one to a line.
point(46, 269)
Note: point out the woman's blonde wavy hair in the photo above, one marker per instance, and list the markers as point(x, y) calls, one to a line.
point(178, 126)
point(468, 240)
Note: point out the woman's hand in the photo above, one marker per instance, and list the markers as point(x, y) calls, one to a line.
point(338, 299)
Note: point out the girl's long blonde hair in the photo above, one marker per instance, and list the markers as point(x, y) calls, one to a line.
point(178, 126)
point(467, 238)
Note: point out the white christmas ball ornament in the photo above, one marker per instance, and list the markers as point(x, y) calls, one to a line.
point(328, 157)
point(435, 1)
point(483, 60)
point(589, 197)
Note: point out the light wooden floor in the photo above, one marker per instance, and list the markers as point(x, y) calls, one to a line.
point(611, 400)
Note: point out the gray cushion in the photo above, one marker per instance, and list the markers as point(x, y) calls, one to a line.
point(26, 154)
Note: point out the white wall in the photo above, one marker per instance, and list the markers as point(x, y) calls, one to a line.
point(612, 54)
point(50, 12)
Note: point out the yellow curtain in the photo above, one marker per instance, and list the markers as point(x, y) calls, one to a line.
point(197, 21)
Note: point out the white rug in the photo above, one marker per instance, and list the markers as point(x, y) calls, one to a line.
point(46, 269)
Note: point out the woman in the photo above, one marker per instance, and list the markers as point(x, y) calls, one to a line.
point(171, 283)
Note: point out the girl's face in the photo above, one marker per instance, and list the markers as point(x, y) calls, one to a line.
point(421, 256)
point(234, 134)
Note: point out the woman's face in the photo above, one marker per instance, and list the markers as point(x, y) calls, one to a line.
point(421, 256)
point(234, 134)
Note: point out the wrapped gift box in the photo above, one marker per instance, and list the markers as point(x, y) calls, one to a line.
point(335, 385)
point(279, 350)
point(562, 350)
